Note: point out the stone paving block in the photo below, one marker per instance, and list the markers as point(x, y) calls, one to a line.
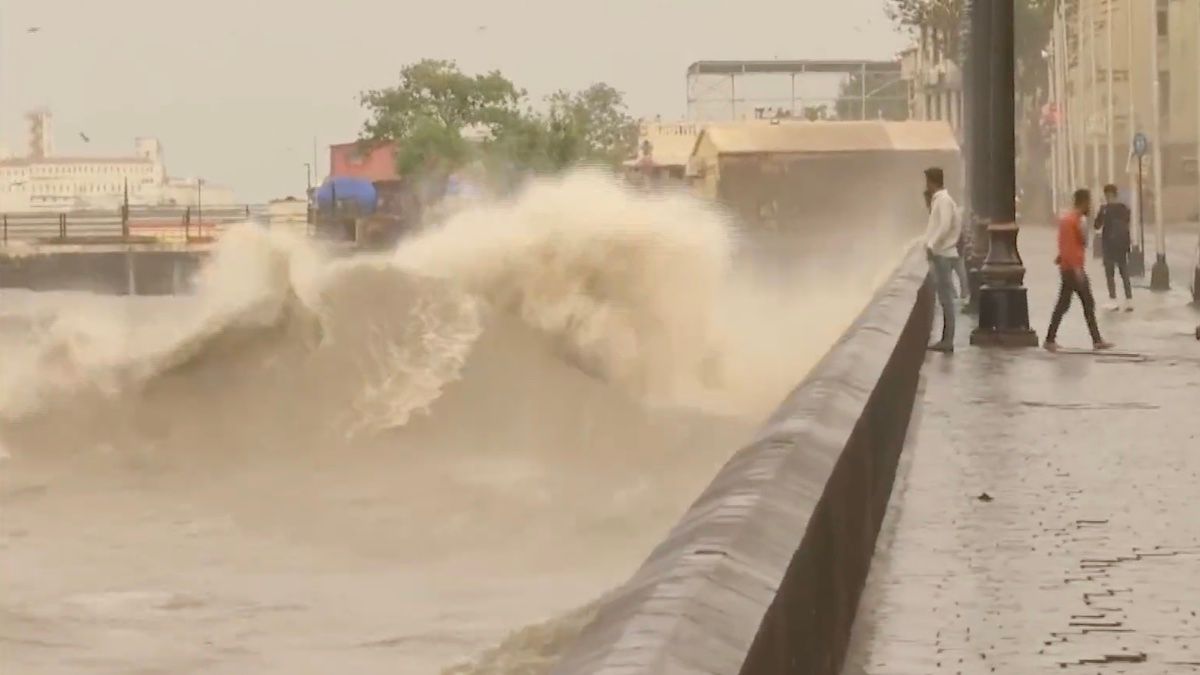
point(1084, 556)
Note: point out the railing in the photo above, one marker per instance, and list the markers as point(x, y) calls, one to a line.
point(158, 223)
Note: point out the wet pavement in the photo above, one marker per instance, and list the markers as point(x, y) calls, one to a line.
point(1047, 514)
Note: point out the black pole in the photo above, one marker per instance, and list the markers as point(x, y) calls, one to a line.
point(125, 211)
point(1137, 257)
point(199, 207)
point(978, 137)
point(308, 196)
point(1003, 300)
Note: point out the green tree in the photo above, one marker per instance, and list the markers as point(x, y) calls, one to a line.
point(431, 108)
point(1032, 21)
point(944, 16)
point(428, 114)
point(592, 126)
point(948, 18)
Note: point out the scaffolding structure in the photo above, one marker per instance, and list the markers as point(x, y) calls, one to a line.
point(715, 85)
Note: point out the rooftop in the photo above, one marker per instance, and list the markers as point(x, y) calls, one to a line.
point(785, 67)
point(30, 161)
point(824, 137)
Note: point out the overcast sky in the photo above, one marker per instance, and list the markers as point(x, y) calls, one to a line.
point(237, 90)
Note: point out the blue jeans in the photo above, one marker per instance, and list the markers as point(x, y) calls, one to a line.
point(964, 282)
point(944, 270)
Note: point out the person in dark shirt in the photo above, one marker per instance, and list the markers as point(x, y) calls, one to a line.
point(1115, 241)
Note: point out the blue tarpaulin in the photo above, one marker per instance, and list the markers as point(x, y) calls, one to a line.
point(360, 191)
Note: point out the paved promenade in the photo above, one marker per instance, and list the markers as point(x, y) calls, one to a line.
point(1047, 514)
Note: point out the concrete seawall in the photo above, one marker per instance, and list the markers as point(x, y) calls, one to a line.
point(155, 269)
point(763, 574)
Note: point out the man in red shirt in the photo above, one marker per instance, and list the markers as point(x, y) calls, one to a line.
point(1072, 243)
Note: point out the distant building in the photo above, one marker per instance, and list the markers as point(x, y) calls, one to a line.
point(814, 175)
point(935, 91)
point(664, 149)
point(360, 160)
point(42, 180)
point(934, 78)
point(1175, 24)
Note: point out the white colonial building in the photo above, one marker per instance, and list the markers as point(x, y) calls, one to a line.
point(41, 180)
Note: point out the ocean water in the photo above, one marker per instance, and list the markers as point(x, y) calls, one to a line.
point(429, 460)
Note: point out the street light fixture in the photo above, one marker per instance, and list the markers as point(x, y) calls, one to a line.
point(199, 207)
point(978, 121)
point(1003, 298)
point(308, 196)
point(1160, 274)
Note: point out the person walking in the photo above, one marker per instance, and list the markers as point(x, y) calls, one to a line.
point(1072, 247)
point(942, 235)
point(1112, 222)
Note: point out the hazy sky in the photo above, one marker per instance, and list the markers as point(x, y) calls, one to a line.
point(238, 89)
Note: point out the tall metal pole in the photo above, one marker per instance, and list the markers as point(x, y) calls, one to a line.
point(1196, 271)
point(1109, 122)
point(316, 162)
point(1137, 254)
point(977, 126)
point(199, 207)
point(1081, 95)
point(308, 196)
point(1094, 103)
point(1160, 274)
point(1067, 175)
point(1069, 107)
point(1067, 148)
point(863, 91)
point(1051, 67)
point(1004, 302)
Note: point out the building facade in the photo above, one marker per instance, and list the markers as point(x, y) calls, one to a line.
point(41, 180)
point(934, 78)
point(1095, 54)
point(359, 160)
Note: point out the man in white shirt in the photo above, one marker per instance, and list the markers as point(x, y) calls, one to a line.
point(941, 246)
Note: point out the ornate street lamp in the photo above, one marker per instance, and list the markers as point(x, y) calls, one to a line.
point(1003, 301)
point(978, 140)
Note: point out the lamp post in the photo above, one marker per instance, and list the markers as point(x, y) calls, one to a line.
point(1094, 102)
point(1196, 271)
point(1083, 115)
point(1003, 300)
point(1069, 110)
point(199, 207)
point(1051, 57)
point(1109, 122)
point(1160, 274)
point(978, 136)
point(1137, 253)
point(308, 195)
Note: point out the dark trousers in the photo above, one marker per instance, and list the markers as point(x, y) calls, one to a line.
point(1074, 283)
point(1117, 263)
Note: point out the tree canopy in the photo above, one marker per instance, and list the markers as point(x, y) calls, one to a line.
point(442, 118)
point(1033, 20)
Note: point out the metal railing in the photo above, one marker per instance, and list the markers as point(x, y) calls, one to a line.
point(178, 224)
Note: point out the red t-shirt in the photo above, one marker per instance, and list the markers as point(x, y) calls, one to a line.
point(1071, 253)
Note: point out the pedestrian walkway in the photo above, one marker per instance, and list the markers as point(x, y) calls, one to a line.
point(1047, 514)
